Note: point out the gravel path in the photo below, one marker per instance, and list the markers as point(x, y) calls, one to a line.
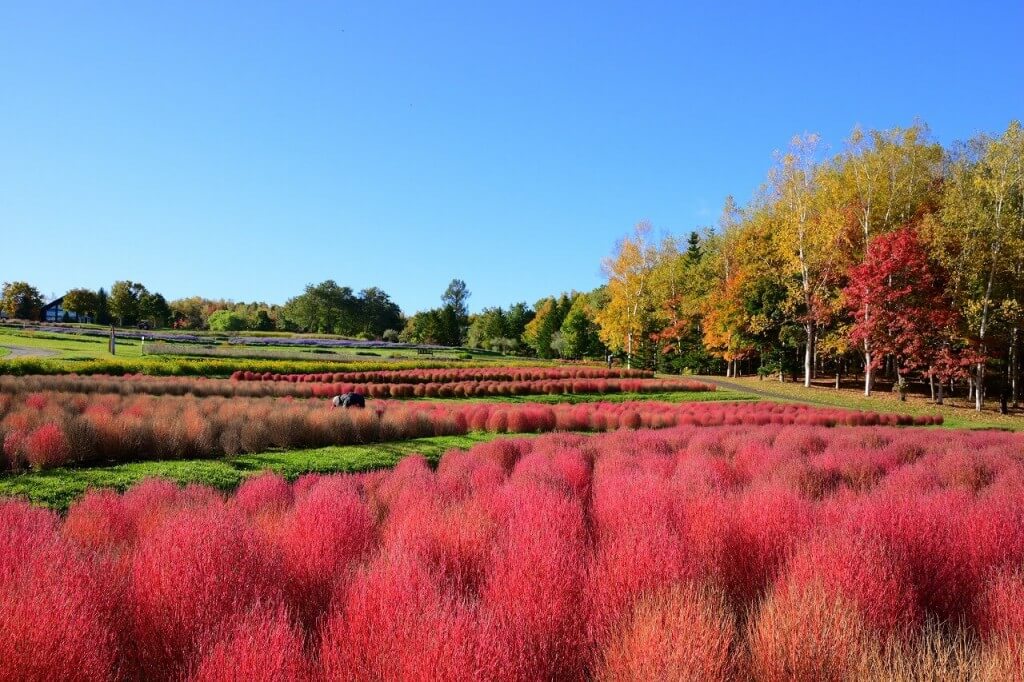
point(25, 352)
point(727, 385)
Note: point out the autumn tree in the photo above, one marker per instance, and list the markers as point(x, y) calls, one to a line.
point(83, 302)
point(979, 236)
point(325, 308)
point(884, 179)
point(425, 327)
point(684, 282)
point(911, 317)
point(723, 320)
point(768, 283)
point(21, 300)
point(805, 233)
point(153, 308)
point(187, 313)
point(102, 306)
point(500, 329)
point(227, 321)
point(627, 319)
point(756, 316)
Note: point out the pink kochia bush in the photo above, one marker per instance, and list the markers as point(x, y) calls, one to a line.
point(45, 430)
point(373, 384)
point(695, 553)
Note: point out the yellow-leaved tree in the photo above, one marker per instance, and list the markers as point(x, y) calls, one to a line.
point(626, 321)
point(980, 238)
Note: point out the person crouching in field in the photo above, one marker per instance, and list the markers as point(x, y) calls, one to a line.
point(348, 400)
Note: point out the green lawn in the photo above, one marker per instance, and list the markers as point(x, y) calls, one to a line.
point(70, 346)
point(57, 488)
point(405, 353)
point(79, 347)
point(284, 352)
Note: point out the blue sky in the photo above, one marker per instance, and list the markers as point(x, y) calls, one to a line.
point(243, 150)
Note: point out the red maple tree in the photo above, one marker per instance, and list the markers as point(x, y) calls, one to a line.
point(899, 305)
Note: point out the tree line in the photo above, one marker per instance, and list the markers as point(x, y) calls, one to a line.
point(894, 256)
point(128, 303)
point(324, 308)
point(554, 327)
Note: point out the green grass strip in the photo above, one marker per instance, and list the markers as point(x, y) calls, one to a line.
point(577, 398)
point(58, 488)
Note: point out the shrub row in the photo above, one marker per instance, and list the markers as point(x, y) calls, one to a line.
point(49, 429)
point(132, 384)
point(767, 553)
point(461, 374)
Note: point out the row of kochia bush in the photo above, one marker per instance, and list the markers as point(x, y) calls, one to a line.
point(45, 430)
point(462, 389)
point(436, 376)
point(202, 367)
point(763, 553)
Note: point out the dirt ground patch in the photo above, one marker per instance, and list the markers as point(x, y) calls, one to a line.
point(25, 352)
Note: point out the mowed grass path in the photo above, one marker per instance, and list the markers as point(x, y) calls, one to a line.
point(576, 398)
point(956, 413)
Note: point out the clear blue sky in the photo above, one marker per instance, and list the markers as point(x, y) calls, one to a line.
point(243, 150)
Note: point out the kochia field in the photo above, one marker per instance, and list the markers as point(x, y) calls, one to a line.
point(768, 552)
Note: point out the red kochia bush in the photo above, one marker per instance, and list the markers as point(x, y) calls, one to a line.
point(395, 623)
point(376, 385)
point(193, 574)
point(803, 633)
point(261, 646)
point(263, 494)
point(999, 611)
point(52, 612)
point(681, 633)
point(861, 572)
point(533, 599)
point(328, 530)
point(100, 521)
point(47, 446)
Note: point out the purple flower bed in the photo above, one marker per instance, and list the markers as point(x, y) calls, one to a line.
point(172, 337)
point(124, 334)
